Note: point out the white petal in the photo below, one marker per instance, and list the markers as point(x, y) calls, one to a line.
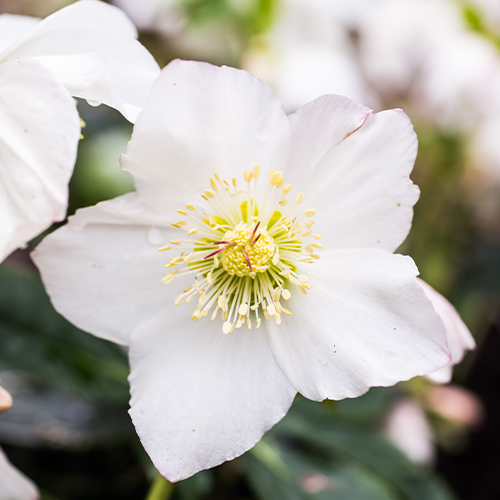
point(200, 397)
point(317, 128)
point(13, 27)
point(39, 134)
point(14, 484)
point(91, 13)
point(103, 271)
point(202, 119)
point(459, 336)
point(365, 322)
point(358, 181)
point(91, 48)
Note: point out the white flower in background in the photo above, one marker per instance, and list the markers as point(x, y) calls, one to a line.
point(308, 53)
point(165, 16)
point(86, 50)
point(407, 427)
point(288, 249)
point(424, 51)
point(459, 337)
point(410, 423)
point(13, 484)
point(441, 58)
point(91, 48)
point(400, 36)
point(458, 83)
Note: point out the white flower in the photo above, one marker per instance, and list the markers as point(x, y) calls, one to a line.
point(459, 337)
point(338, 313)
point(91, 48)
point(86, 50)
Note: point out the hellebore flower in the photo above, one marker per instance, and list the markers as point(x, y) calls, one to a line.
point(288, 250)
point(87, 50)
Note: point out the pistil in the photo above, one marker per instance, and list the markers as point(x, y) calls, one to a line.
point(258, 246)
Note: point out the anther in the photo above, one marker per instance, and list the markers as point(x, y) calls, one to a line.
point(256, 171)
point(299, 198)
point(178, 224)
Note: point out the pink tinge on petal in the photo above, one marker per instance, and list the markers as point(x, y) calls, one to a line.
point(458, 335)
point(357, 173)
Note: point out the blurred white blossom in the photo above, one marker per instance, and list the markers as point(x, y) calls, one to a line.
point(87, 50)
point(308, 53)
point(407, 427)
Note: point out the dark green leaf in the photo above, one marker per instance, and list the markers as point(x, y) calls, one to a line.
point(34, 338)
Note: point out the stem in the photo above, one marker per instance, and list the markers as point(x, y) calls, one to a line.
point(161, 489)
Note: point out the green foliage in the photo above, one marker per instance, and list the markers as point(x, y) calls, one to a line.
point(313, 454)
point(441, 226)
point(35, 339)
point(252, 17)
point(474, 19)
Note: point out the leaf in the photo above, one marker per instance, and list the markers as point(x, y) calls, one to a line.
point(314, 426)
point(34, 338)
point(284, 473)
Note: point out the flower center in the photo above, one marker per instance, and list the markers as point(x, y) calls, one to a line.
point(246, 252)
point(244, 255)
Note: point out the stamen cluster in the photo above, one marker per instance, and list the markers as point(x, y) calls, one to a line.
point(244, 254)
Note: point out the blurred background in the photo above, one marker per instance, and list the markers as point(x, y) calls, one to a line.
point(439, 60)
